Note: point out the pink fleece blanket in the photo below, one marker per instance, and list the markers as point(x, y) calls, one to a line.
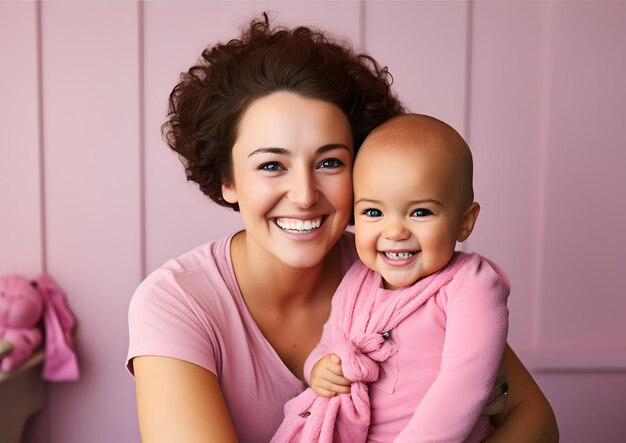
point(360, 341)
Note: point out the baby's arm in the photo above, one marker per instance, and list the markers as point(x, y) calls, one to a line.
point(476, 328)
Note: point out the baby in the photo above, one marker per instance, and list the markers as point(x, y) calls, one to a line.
point(417, 331)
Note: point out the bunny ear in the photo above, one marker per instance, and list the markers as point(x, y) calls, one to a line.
point(60, 362)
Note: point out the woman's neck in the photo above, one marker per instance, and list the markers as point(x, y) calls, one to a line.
point(289, 305)
point(265, 280)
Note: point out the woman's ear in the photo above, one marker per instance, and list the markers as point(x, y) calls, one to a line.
point(468, 221)
point(229, 192)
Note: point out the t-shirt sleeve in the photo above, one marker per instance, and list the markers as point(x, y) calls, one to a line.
point(164, 321)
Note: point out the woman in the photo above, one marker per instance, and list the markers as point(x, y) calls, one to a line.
point(269, 125)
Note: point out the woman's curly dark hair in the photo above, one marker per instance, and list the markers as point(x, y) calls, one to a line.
point(206, 106)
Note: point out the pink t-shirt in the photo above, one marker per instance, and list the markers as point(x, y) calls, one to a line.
point(192, 309)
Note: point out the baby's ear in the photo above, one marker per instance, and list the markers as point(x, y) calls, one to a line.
point(468, 221)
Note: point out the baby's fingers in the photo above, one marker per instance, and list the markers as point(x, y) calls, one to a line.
point(327, 388)
point(334, 365)
point(323, 392)
point(336, 380)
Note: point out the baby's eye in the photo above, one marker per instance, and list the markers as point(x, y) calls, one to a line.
point(271, 166)
point(372, 212)
point(421, 212)
point(331, 163)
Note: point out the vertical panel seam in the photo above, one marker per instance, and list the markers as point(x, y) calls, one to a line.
point(362, 26)
point(469, 41)
point(544, 128)
point(40, 136)
point(47, 426)
point(142, 139)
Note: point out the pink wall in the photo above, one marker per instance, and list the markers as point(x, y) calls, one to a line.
point(90, 194)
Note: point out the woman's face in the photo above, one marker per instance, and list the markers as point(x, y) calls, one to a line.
point(292, 178)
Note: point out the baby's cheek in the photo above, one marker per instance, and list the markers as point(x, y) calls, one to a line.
point(366, 249)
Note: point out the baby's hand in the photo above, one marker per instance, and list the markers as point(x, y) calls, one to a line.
point(327, 377)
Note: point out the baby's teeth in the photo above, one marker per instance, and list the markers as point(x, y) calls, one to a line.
point(398, 255)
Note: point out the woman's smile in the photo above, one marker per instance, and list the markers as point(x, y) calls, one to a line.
point(301, 229)
point(299, 226)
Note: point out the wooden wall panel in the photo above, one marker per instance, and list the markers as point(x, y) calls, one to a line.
point(92, 189)
point(547, 79)
point(589, 406)
point(585, 202)
point(21, 243)
point(507, 123)
point(424, 44)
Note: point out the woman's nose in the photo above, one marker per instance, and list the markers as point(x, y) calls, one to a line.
point(303, 189)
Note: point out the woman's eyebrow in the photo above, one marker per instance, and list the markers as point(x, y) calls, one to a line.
point(269, 150)
point(283, 151)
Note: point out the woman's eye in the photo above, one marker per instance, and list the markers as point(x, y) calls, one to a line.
point(330, 163)
point(271, 166)
point(421, 212)
point(372, 212)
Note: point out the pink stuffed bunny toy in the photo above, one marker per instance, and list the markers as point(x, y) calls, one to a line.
point(22, 305)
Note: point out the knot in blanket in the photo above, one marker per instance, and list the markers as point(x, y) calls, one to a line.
point(361, 356)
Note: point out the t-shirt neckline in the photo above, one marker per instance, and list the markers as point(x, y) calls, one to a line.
point(249, 320)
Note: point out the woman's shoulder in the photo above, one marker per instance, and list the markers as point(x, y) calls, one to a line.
point(182, 307)
point(195, 276)
point(208, 255)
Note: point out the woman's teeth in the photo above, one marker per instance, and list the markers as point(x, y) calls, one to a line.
point(299, 226)
point(398, 255)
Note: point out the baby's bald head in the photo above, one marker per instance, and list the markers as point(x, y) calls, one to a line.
point(431, 140)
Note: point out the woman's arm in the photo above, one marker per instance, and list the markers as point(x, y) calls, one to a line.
point(180, 401)
point(527, 416)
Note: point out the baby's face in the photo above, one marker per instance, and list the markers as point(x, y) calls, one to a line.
point(409, 209)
